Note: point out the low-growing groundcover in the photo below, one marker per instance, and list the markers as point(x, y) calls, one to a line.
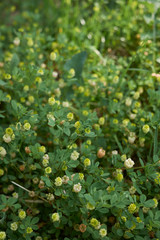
point(79, 120)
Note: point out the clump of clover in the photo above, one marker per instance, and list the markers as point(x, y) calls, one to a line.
point(79, 151)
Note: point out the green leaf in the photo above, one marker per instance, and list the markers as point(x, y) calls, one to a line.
point(4, 199)
point(35, 220)
point(148, 18)
point(142, 198)
point(89, 198)
point(17, 206)
point(158, 234)
point(139, 238)
point(58, 192)
point(2, 96)
point(73, 163)
point(150, 213)
point(22, 226)
point(157, 215)
point(51, 122)
point(1, 116)
point(2, 207)
point(67, 131)
point(89, 229)
point(91, 134)
point(120, 232)
point(14, 105)
point(11, 201)
point(2, 217)
point(156, 224)
point(149, 203)
point(103, 210)
point(14, 62)
point(129, 224)
point(47, 181)
point(2, 83)
point(114, 199)
point(89, 180)
point(155, 158)
point(83, 210)
point(141, 162)
point(76, 62)
point(155, 146)
point(118, 143)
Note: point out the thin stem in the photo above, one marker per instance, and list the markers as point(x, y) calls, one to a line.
point(135, 167)
point(18, 185)
point(154, 39)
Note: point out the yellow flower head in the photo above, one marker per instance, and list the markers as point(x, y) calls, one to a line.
point(101, 121)
point(2, 235)
point(90, 206)
point(102, 232)
point(132, 208)
point(87, 162)
point(22, 214)
point(70, 116)
point(55, 217)
point(27, 126)
point(42, 149)
point(95, 223)
point(9, 131)
point(71, 73)
point(48, 170)
point(146, 128)
point(7, 76)
point(81, 176)
point(51, 101)
point(53, 56)
point(77, 124)
point(29, 230)
point(58, 181)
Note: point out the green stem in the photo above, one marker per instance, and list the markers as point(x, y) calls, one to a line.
point(135, 167)
point(154, 39)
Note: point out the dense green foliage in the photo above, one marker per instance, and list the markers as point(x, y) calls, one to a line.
point(79, 119)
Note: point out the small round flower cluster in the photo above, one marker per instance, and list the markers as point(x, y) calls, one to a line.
point(2, 152)
point(102, 232)
point(27, 126)
point(42, 149)
point(45, 160)
point(146, 128)
point(58, 181)
point(14, 226)
point(9, 135)
point(51, 101)
point(77, 188)
point(128, 163)
point(70, 116)
point(75, 155)
point(101, 153)
point(87, 162)
point(132, 208)
point(71, 73)
point(50, 197)
point(95, 223)
point(89, 206)
point(119, 175)
point(55, 217)
point(21, 214)
point(2, 235)
point(48, 170)
point(29, 230)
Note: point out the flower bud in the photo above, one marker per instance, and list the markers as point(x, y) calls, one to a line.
point(27, 150)
point(101, 153)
